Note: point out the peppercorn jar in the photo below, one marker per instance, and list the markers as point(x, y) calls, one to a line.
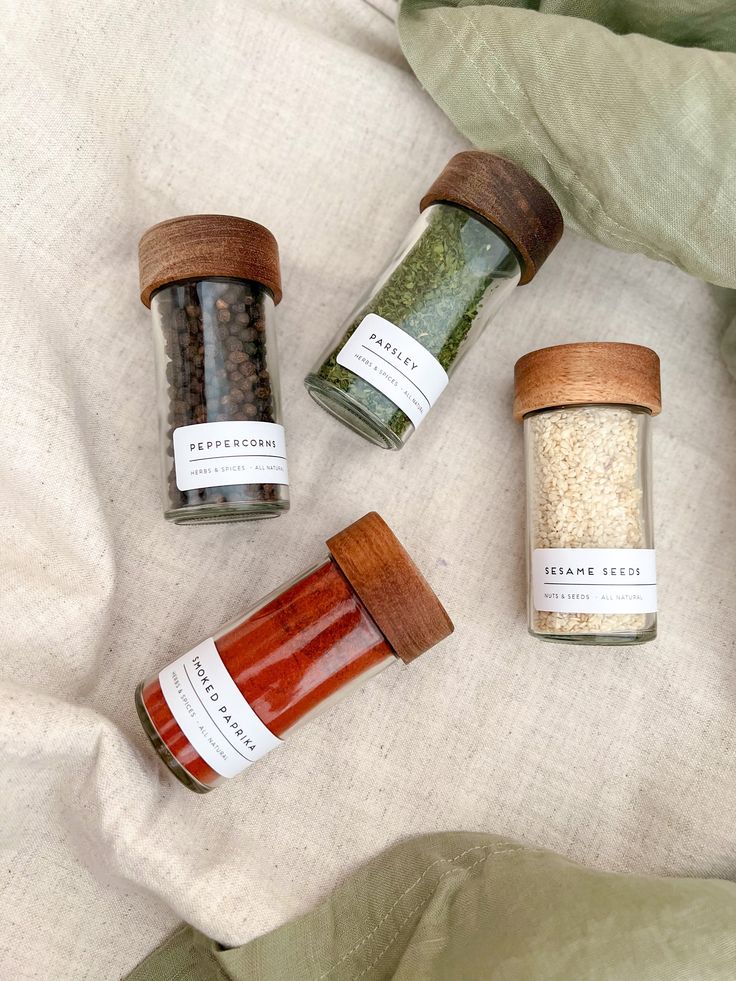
point(485, 226)
point(212, 282)
point(587, 411)
point(238, 694)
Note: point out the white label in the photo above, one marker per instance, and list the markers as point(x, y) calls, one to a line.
point(217, 454)
point(397, 365)
point(594, 580)
point(212, 713)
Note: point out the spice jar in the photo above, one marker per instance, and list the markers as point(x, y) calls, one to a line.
point(211, 282)
point(237, 695)
point(485, 226)
point(587, 410)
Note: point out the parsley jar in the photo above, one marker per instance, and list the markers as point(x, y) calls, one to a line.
point(485, 227)
point(211, 283)
point(587, 410)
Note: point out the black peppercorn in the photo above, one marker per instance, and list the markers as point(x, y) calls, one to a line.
point(212, 373)
point(225, 455)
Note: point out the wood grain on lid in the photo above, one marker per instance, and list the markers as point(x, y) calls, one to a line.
point(390, 586)
point(587, 373)
point(205, 247)
point(508, 197)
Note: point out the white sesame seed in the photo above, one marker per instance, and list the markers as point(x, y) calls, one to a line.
point(585, 492)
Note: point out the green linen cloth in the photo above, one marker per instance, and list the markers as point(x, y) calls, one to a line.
point(466, 906)
point(624, 109)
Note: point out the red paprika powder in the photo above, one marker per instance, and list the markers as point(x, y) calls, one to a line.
point(235, 696)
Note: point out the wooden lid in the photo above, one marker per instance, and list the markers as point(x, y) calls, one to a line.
point(505, 195)
point(390, 586)
point(587, 374)
point(205, 247)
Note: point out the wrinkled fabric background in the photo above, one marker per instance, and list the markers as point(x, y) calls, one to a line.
point(461, 906)
point(306, 118)
point(624, 110)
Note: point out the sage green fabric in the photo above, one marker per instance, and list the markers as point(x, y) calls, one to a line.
point(469, 907)
point(624, 110)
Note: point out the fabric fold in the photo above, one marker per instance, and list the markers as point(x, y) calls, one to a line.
point(626, 116)
point(467, 906)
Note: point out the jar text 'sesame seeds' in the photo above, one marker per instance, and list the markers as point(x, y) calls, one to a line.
point(587, 410)
point(586, 494)
point(486, 226)
point(212, 282)
point(234, 697)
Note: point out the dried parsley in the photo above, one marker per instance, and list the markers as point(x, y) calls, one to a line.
point(434, 294)
point(396, 355)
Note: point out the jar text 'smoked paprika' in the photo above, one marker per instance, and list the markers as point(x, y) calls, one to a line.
point(235, 696)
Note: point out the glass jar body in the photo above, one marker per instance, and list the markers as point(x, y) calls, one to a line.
point(398, 349)
point(304, 647)
point(592, 576)
point(222, 441)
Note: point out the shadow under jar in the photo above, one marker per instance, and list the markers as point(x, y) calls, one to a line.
point(212, 282)
point(587, 411)
point(486, 226)
point(237, 695)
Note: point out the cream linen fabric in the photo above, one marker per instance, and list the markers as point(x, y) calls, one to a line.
point(304, 116)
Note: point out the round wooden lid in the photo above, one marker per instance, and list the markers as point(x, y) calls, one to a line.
point(205, 247)
point(390, 586)
point(505, 195)
point(588, 373)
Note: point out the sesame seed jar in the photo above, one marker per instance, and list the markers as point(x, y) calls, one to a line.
point(587, 412)
point(212, 283)
point(485, 227)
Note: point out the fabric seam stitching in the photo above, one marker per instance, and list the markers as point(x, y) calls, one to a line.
point(502, 848)
point(412, 912)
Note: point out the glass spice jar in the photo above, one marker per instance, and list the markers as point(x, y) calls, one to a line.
point(211, 282)
point(237, 695)
point(587, 410)
point(486, 226)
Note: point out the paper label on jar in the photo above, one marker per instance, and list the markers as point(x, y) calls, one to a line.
point(594, 580)
point(396, 364)
point(218, 454)
point(212, 713)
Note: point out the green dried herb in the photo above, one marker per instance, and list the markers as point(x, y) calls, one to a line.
point(434, 295)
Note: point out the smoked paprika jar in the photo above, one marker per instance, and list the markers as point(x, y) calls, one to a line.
point(238, 694)
point(212, 283)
